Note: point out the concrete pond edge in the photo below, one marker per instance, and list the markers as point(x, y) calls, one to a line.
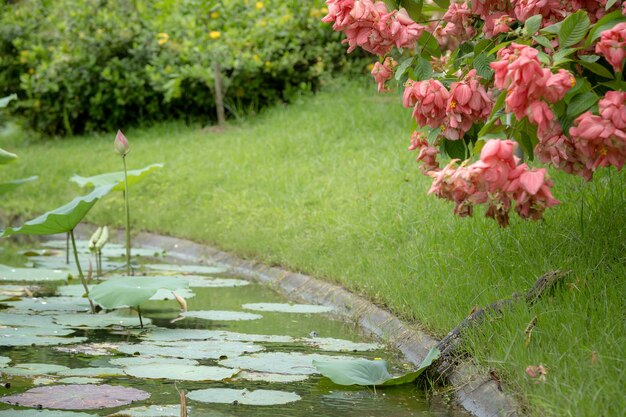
point(473, 388)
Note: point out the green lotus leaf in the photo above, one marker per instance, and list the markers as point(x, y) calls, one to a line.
point(188, 269)
point(171, 410)
point(9, 332)
point(270, 377)
point(43, 413)
point(288, 308)
point(115, 178)
point(161, 335)
point(151, 360)
point(281, 362)
point(218, 315)
point(62, 219)
point(31, 369)
point(4, 101)
point(5, 187)
point(100, 320)
point(181, 372)
point(132, 291)
point(13, 274)
point(4, 361)
point(339, 345)
point(244, 396)
point(6, 157)
point(40, 341)
point(32, 320)
point(80, 380)
point(44, 304)
point(93, 372)
point(369, 372)
point(197, 349)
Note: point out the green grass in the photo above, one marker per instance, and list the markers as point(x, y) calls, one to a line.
point(325, 186)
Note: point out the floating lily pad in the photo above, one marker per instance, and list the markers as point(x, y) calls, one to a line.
point(288, 308)
point(53, 330)
point(181, 372)
point(151, 360)
point(99, 372)
point(132, 291)
point(164, 294)
point(270, 377)
point(114, 318)
point(42, 413)
point(92, 349)
point(188, 269)
point(50, 304)
point(32, 369)
point(11, 274)
point(44, 381)
point(77, 397)
point(190, 350)
point(199, 334)
point(339, 345)
point(40, 340)
point(207, 282)
point(280, 362)
point(218, 315)
point(80, 380)
point(4, 361)
point(76, 290)
point(163, 411)
point(229, 396)
point(33, 320)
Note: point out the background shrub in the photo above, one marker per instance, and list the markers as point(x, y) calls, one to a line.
point(85, 65)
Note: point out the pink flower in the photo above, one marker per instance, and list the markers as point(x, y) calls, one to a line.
point(429, 100)
point(497, 23)
point(458, 26)
point(427, 153)
point(612, 45)
point(468, 103)
point(549, 9)
point(121, 144)
point(559, 150)
point(383, 72)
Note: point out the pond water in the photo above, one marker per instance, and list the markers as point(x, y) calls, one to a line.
point(238, 343)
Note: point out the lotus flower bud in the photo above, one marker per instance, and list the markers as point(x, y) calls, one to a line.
point(121, 144)
point(103, 239)
point(94, 238)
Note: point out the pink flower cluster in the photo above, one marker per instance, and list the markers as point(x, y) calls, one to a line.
point(497, 179)
point(458, 26)
point(383, 72)
point(612, 46)
point(452, 111)
point(520, 73)
point(371, 26)
point(427, 153)
point(601, 140)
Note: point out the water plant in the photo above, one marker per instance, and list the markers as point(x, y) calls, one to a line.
point(122, 148)
point(97, 241)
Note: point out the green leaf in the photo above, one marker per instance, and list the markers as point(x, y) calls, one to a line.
point(132, 291)
point(543, 41)
point(481, 63)
point(403, 67)
point(413, 8)
point(247, 397)
point(423, 70)
point(597, 68)
point(444, 4)
point(494, 114)
point(615, 85)
point(6, 157)
point(610, 4)
point(573, 29)
point(62, 219)
point(560, 56)
point(581, 103)
point(498, 47)
point(482, 45)
point(532, 24)
point(5, 187)
point(4, 101)
point(369, 372)
point(553, 29)
point(115, 178)
point(606, 23)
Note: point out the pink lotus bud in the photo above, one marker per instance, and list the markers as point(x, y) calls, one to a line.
point(121, 144)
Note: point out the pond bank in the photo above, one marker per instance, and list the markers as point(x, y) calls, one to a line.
point(473, 388)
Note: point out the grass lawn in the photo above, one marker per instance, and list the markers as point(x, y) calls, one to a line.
point(325, 186)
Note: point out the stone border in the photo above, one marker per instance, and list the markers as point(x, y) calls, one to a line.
point(474, 390)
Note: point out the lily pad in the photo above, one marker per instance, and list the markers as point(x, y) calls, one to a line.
point(99, 372)
point(218, 315)
point(187, 269)
point(91, 349)
point(369, 372)
point(157, 335)
point(164, 294)
point(80, 380)
point(190, 350)
point(8, 332)
point(5, 156)
point(172, 410)
point(114, 318)
point(4, 361)
point(42, 413)
point(32, 369)
point(50, 304)
point(339, 345)
point(32, 320)
point(77, 397)
point(40, 341)
point(207, 282)
point(229, 396)
point(288, 308)
point(181, 372)
point(115, 178)
point(280, 362)
point(151, 360)
point(76, 290)
point(62, 219)
point(8, 186)
point(270, 377)
point(132, 291)
point(12, 274)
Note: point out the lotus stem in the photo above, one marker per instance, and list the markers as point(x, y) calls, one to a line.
point(67, 248)
point(140, 319)
point(127, 207)
point(80, 272)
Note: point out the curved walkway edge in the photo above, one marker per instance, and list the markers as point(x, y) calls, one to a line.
point(474, 390)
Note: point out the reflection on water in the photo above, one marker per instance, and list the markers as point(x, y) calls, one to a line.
point(319, 397)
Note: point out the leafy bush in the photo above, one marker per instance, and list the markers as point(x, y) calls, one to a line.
point(84, 65)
